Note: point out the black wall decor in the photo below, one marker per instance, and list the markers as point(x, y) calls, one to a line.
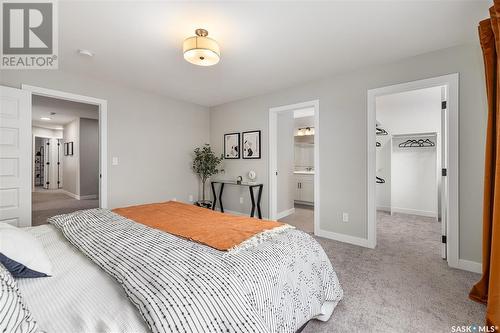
point(68, 148)
point(232, 146)
point(251, 145)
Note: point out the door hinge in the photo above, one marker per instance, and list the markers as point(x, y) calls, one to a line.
point(444, 172)
point(443, 105)
point(443, 239)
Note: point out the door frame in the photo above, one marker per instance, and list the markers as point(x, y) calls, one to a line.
point(102, 104)
point(273, 160)
point(451, 81)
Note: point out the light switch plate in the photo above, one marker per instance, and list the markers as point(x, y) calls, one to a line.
point(345, 217)
point(114, 161)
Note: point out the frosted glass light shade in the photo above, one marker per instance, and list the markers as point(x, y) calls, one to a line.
point(201, 50)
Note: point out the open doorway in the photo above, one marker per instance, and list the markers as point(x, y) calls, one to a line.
point(294, 165)
point(408, 162)
point(413, 167)
point(65, 157)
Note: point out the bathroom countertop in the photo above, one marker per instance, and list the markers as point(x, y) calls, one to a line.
point(304, 172)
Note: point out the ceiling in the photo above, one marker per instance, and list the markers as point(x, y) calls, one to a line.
point(65, 112)
point(265, 46)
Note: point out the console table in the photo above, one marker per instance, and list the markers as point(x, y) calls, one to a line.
point(251, 186)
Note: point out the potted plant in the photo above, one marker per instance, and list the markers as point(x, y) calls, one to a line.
point(205, 165)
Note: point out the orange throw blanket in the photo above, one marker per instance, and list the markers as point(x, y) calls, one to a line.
point(215, 229)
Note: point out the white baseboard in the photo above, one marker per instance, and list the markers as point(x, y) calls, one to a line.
point(471, 266)
point(73, 195)
point(285, 213)
point(88, 197)
point(79, 197)
point(384, 208)
point(305, 203)
point(344, 238)
point(414, 212)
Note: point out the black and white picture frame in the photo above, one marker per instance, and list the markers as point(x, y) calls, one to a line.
point(232, 146)
point(251, 145)
point(68, 148)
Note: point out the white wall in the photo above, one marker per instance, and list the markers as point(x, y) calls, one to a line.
point(304, 148)
point(89, 157)
point(285, 162)
point(343, 137)
point(383, 165)
point(417, 111)
point(71, 163)
point(153, 136)
point(414, 187)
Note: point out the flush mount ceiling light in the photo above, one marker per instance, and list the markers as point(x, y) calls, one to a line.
point(86, 53)
point(201, 50)
point(45, 118)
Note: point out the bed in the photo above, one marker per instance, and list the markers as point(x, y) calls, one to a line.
point(112, 274)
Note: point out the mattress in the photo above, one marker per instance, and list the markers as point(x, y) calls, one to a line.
point(80, 297)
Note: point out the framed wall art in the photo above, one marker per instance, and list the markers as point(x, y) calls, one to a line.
point(232, 146)
point(251, 145)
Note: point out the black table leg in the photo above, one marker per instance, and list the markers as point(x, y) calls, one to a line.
point(220, 197)
point(252, 212)
point(259, 197)
point(213, 195)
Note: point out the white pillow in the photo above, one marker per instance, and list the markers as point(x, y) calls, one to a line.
point(21, 246)
point(14, 314)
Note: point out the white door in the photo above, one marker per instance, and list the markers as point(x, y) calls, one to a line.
point(47, 163)
point(444, 171)
point(15, 156)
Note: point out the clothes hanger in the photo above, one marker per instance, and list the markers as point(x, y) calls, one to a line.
point(380, 131)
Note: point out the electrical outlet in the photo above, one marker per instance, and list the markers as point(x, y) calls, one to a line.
point(241, 200)
point(345, 217)
point(191, 198)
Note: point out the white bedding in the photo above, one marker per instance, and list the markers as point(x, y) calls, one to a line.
point(80, 297)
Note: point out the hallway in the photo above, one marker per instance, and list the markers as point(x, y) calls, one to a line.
point(47, 203)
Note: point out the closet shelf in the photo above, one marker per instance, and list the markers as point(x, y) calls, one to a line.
point(420, 135)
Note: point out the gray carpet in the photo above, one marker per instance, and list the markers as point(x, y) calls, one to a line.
point(49, 203)
point(401, 286)
point(302, 219)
